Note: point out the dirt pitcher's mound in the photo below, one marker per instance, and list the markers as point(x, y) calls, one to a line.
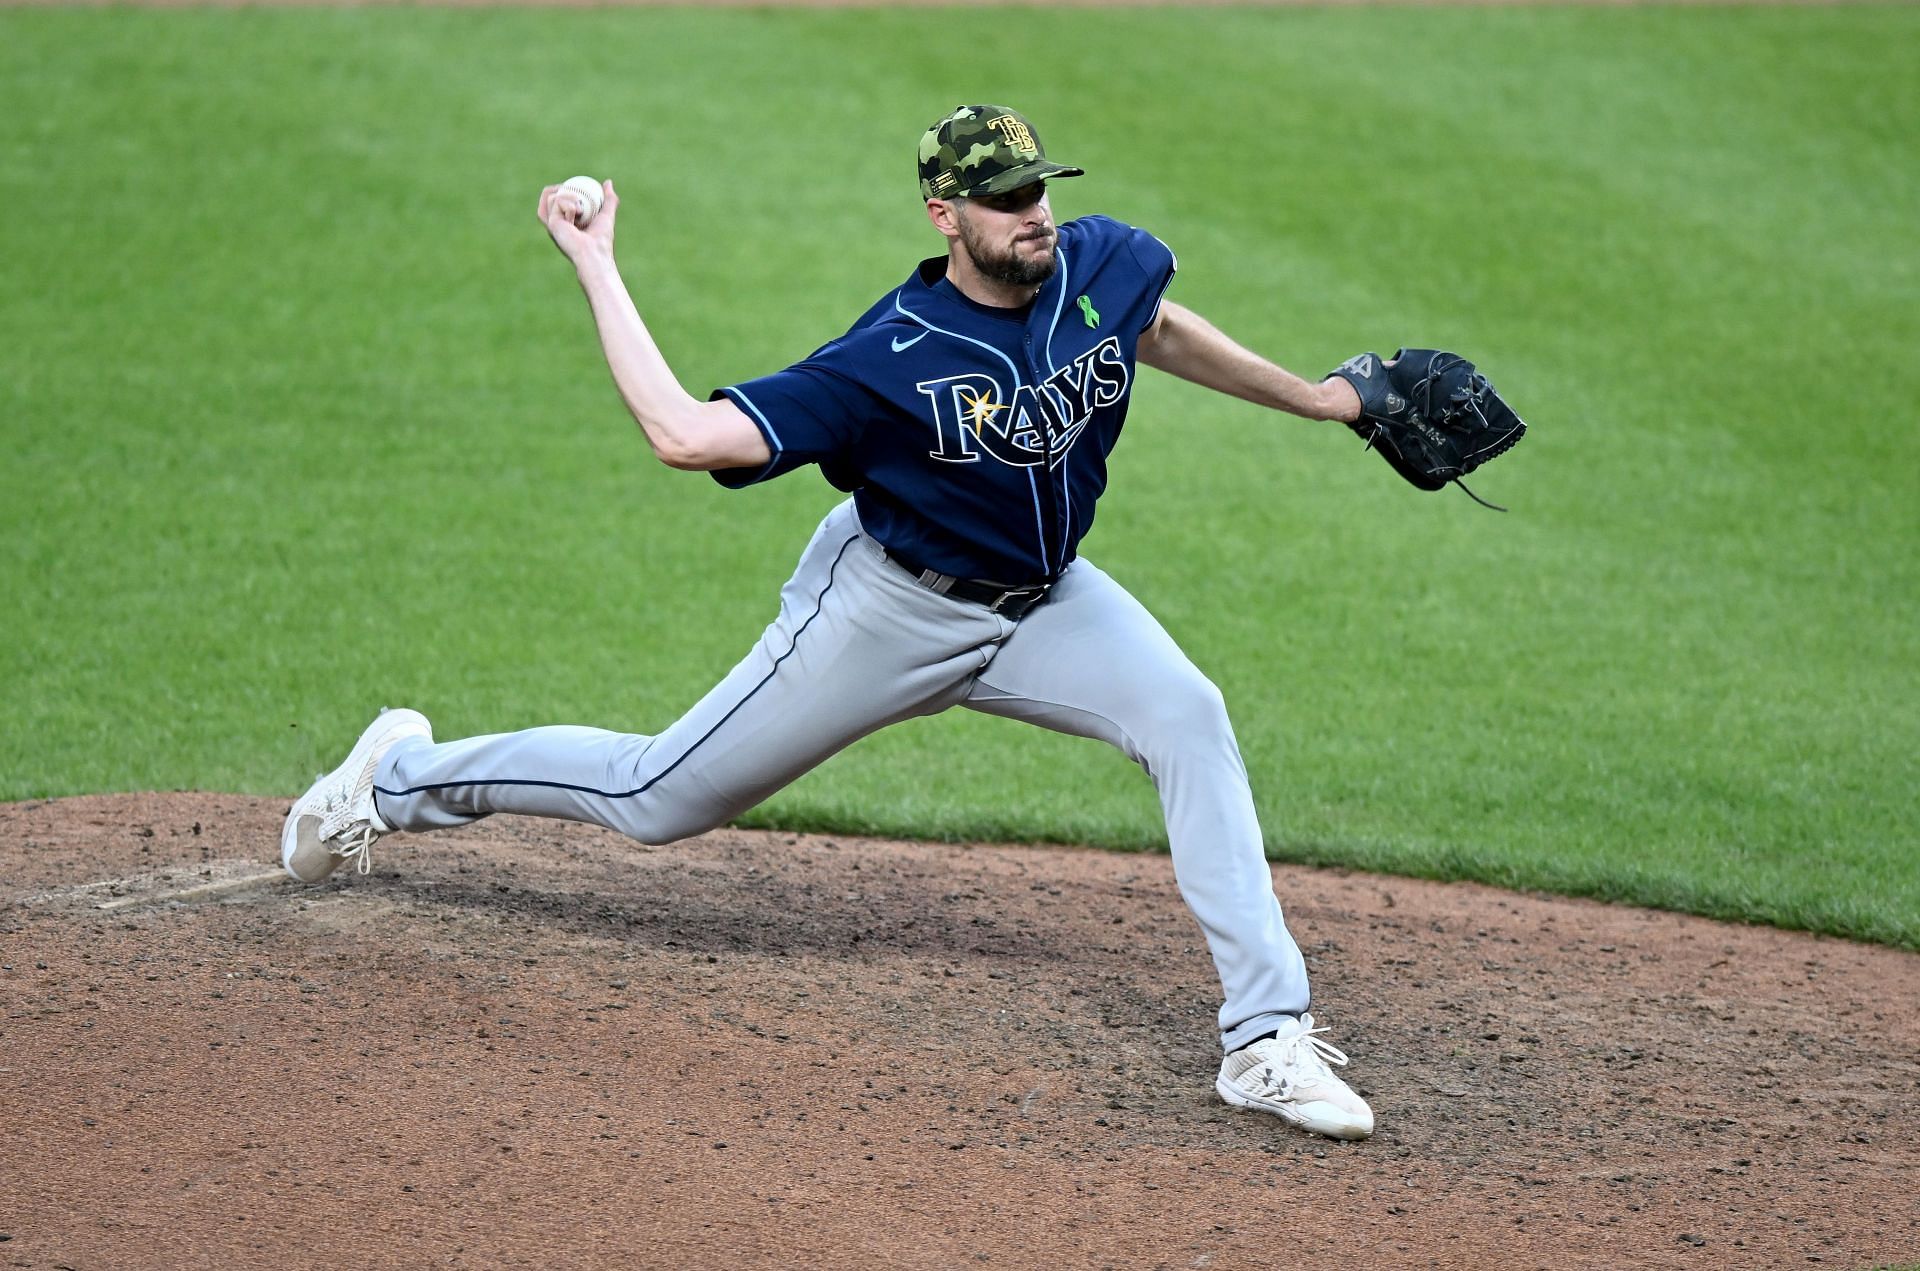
point(535, 1044)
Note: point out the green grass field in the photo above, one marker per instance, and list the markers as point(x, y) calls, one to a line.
point(304, 416)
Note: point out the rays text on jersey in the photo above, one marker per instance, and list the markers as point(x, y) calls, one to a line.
point(1033, 425)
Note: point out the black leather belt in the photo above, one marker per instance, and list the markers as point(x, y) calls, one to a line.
point(1010, 602)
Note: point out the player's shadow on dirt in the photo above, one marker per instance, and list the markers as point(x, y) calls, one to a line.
point(762, 914)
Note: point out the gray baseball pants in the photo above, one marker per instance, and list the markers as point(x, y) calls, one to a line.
point(860, 644)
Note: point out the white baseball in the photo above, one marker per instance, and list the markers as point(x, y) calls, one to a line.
point(587, 197)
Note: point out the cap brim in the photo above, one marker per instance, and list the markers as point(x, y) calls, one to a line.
point(1026, 174)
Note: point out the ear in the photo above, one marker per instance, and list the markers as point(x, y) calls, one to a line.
point(945, 217)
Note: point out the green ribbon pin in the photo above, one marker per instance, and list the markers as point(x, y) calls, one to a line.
point(1088, 312)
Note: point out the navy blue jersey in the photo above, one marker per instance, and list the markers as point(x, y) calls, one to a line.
point(974, 439)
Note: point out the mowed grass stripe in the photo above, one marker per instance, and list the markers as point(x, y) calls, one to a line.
point(303, 415)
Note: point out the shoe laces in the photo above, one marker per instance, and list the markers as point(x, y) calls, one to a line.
point(346, 836)
point(1296, 1060)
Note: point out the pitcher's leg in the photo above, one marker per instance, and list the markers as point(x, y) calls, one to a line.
point(1093, 662)
point(856, 646)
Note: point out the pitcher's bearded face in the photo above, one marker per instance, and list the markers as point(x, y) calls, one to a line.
point(1010, 237)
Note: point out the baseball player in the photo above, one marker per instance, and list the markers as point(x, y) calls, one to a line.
point(969, 413)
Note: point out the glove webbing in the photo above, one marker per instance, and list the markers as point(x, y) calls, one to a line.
point(1469, 398)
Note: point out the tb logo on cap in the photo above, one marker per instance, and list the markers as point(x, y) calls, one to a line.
point(1015, 133)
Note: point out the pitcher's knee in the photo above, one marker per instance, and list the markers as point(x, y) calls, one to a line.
point(655, 807)
point(650, 823)
point(1187, 713)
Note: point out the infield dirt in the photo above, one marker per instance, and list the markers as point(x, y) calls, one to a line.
point(528, 1043)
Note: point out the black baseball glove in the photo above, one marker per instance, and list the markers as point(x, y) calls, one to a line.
point(1430, 415)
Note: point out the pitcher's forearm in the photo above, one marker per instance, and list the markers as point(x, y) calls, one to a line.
point(666, 412)
point(1185, 344)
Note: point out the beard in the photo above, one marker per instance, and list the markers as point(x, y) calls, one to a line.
point(1008, 266)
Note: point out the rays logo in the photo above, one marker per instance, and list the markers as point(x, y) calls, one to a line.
point(974, 413)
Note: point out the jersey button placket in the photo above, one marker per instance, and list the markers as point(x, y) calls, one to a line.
point(1038, 379)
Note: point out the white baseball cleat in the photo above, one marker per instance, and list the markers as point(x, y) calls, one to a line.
point(1287, 1075)
point(336, 820)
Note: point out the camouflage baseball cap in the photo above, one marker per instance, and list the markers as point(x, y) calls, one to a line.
point(980, 150)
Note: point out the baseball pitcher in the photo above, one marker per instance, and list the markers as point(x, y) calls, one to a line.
point(969, 414)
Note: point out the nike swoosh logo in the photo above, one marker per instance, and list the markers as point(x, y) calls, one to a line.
point(899, 344)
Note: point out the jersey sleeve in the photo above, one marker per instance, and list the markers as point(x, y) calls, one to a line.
point(1157, 262)
point(812, 412)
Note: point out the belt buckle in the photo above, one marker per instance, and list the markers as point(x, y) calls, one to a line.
point(1027, 597)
